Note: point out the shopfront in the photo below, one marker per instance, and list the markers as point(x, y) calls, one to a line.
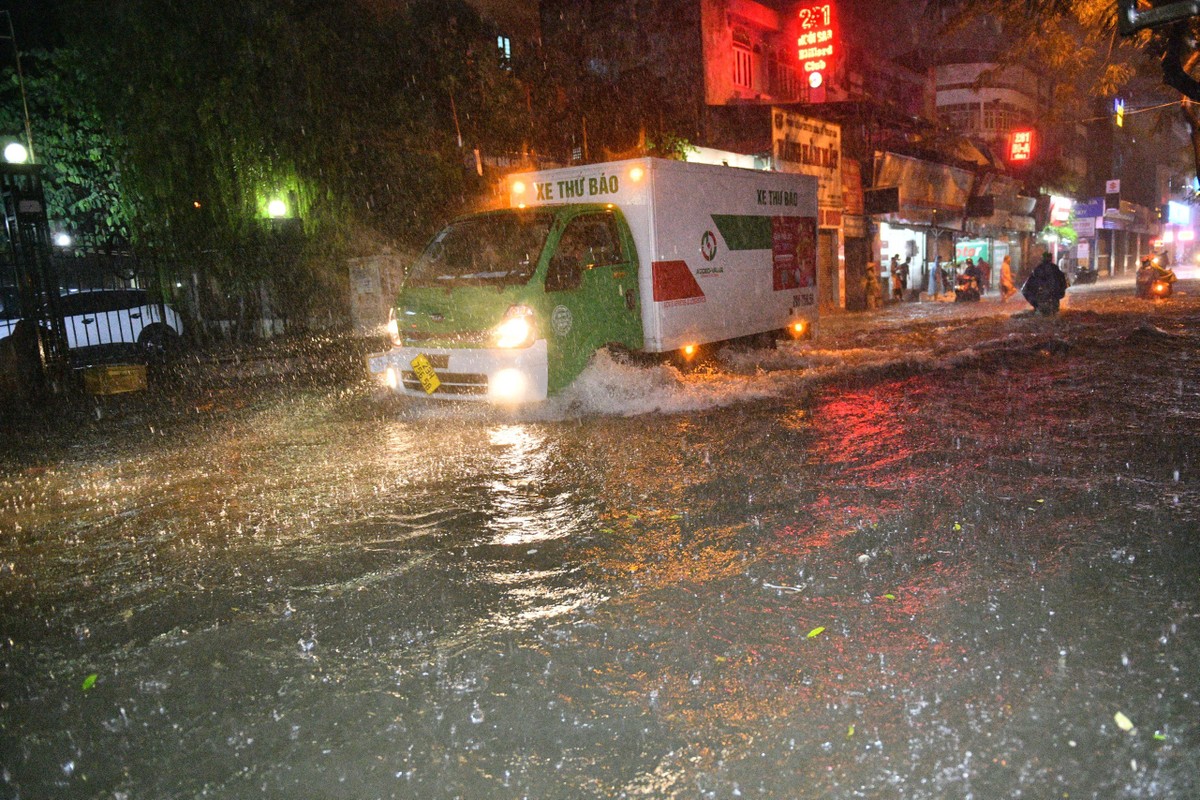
point(929, 220)
point(1006, 232)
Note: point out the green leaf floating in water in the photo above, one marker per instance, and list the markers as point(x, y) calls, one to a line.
point(815, 632)
point(90, 681)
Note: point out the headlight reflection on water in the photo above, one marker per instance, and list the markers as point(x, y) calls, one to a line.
point(524, 511)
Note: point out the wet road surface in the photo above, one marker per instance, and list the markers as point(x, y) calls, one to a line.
point(937, 552)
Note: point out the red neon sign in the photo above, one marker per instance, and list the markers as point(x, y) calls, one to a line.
point(817, 41)
point(1020, 146)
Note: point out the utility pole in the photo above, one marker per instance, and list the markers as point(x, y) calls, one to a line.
point(12, 37)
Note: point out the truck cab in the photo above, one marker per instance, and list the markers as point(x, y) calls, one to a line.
point(538, 290)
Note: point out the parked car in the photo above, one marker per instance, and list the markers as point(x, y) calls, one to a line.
point(104, 319)
point(104, 322)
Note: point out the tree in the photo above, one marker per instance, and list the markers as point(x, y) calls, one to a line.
point(1078, 44)
point(84, 192)
point(350, 111)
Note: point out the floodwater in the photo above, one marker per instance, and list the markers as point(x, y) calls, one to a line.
point(939, 552)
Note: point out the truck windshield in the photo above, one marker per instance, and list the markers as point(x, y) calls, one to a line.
point(491, 249)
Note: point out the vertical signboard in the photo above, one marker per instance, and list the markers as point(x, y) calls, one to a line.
point(816, 46)
point(811, 147)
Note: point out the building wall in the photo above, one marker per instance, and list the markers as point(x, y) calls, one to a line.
point(748, 54)
point(1010, 99)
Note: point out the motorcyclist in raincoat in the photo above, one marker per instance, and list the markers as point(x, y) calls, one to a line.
point(1046, 286)
point(1149, 273)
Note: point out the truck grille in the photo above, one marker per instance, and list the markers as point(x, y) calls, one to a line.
point(455, 383)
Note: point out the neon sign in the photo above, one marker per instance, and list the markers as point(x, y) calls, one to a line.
point(1020, 146)
point(817, 41)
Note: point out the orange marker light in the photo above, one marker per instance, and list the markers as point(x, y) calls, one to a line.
point(689, 350)
point(518, 187)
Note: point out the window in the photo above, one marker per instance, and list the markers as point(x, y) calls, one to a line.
point(588, 242)
point(743, 60)
point(504, 44)
point(742, 69)
point(498, 249)
point(781, 77)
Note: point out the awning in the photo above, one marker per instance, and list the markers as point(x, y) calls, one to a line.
point(930, 194)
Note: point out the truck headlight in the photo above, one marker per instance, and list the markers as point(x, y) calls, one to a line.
point(517, 329)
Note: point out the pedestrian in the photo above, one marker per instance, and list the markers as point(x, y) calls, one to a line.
point(874, 291)
point(985, 274)
point(949, 277)
point(1007, 288)
point(1046, 286)
point(897, 280)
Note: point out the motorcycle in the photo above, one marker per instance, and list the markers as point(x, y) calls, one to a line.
point(1154, 282)
point(1084, 275)
point(967, 290)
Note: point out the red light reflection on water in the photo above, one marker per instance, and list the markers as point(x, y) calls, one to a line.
point(863, 432)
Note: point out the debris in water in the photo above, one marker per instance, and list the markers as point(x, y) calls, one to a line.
point(815, 632)
point(90, 681)
point(1123, 722)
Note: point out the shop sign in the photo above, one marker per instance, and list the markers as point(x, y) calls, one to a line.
point(810, 147)
point(1020, 146)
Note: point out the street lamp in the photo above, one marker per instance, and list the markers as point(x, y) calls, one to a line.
point(277, 209)
point(15, 153)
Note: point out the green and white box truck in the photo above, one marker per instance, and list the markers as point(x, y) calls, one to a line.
point(644, 255)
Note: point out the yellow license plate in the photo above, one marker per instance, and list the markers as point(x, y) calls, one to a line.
point(425, 374)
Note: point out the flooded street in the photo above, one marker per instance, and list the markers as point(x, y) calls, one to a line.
point(938, 552)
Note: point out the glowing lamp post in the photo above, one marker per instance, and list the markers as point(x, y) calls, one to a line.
point(15, 153)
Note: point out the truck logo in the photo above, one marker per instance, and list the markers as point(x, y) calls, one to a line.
point(561, 320)
point(708, 245)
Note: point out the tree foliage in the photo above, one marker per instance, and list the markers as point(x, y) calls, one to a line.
point(359, 114)
point(84, 192)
